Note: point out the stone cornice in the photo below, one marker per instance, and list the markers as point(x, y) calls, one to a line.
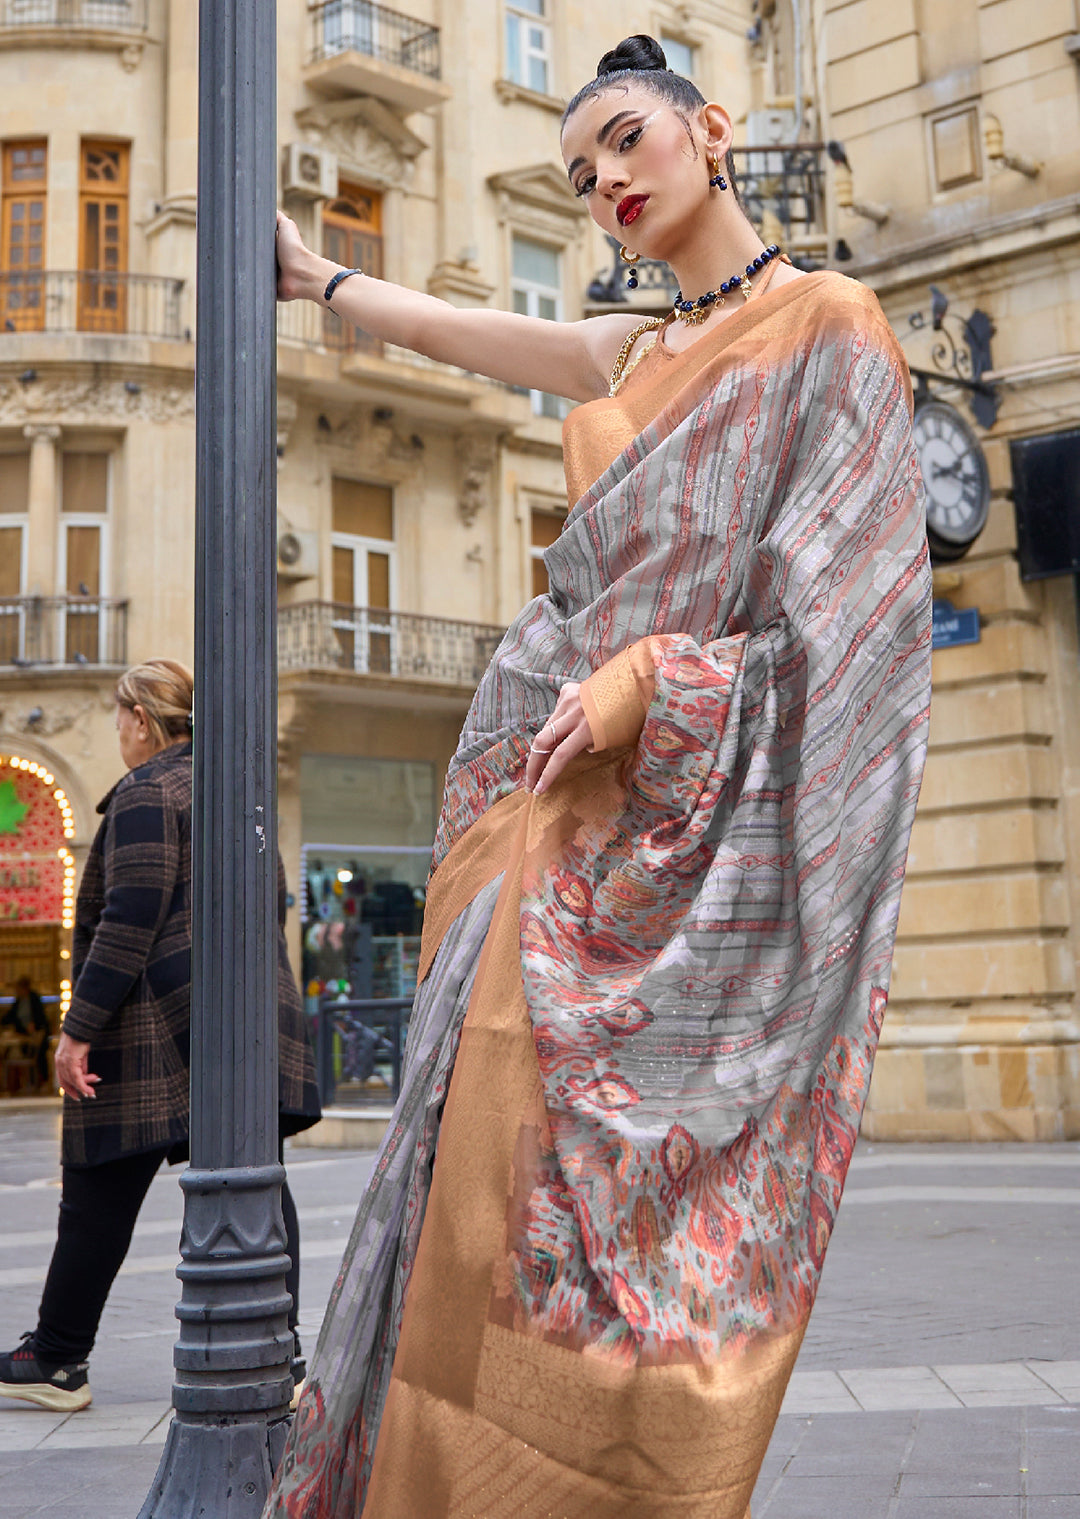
point(995, 238)
point(508, 92)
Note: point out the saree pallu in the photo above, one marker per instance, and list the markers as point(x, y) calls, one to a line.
point(650, 998)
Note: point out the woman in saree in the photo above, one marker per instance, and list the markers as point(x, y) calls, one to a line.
point(665, 888)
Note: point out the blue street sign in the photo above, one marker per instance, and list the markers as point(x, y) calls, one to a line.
point(953, 626)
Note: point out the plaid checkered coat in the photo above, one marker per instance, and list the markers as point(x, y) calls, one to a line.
point(132, 968)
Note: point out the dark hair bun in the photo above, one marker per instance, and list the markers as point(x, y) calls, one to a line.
point(638, 52)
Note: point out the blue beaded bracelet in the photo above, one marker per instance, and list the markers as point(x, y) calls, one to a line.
point(342, 274)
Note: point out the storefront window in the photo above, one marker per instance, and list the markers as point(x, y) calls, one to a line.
point(368, 827)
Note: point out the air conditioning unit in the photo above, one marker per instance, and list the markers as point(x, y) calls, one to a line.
point(309, 171)
point(772, 125)
point(297, 555)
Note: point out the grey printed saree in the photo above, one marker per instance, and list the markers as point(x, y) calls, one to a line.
point(650, 997)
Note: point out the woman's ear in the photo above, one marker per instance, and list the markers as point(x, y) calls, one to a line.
point(718, 129)
point(139, 713)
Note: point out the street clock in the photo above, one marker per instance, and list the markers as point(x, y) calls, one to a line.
point(956, 479)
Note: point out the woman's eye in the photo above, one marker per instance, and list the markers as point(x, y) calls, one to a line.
point(630, 139)
point(586, 186)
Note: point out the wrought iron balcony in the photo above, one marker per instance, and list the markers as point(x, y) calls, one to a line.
point(62, 631)
point(87, 300)
point(324, 635)
point(81, 15)
point(367, 49)
point(783, 190)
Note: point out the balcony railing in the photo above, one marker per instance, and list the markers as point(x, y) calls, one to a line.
point(306, 325)
point(142, 305)
point(360, 26)
point(783, 189)
point(84, 15)
point(323, 635)
point(62, 631)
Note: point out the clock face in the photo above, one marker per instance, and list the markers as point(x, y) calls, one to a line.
point(955, 476)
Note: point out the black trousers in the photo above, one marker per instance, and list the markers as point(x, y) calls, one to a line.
point(98, 1209)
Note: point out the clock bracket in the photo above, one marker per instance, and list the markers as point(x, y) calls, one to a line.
point(959, 355)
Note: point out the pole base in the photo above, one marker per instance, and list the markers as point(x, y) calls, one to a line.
point(216, 1469)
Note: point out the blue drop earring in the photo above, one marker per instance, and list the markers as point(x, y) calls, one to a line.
point(717, 182)
point(630, 258)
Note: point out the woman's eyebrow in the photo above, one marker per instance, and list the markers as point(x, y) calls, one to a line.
point(600, 136)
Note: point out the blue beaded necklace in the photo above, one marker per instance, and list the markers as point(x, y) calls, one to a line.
point(694, 312)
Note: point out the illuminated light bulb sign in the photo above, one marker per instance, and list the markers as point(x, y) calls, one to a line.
point(37, 869)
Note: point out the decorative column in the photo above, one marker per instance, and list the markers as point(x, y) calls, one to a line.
point(42, 508)
point(233, 1383)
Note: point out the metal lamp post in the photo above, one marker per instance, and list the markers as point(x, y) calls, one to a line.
point(232, 1359)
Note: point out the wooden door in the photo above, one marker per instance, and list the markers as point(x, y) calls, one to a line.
point(22, 237)
point(103, 237)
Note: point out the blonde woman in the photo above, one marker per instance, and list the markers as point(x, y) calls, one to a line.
point(667, 873)
point(122, 1057)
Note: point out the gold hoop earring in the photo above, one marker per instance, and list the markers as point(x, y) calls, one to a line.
point(717, 180)
point(629, 258)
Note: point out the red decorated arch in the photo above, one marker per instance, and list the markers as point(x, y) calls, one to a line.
point(36, 865)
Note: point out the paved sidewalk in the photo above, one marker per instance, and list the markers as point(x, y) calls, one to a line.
point(940, 1377)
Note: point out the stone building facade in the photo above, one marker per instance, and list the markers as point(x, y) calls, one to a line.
point(415, 501)
point(961, 126)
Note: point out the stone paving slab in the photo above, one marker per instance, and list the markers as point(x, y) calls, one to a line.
point(88, 1484)
point(962, 1197)
point(1008, 1384)
point(111, 1424)
point(1011, 1383)
point(1063, 1377)
point(924, 1464)
point(899, 1387)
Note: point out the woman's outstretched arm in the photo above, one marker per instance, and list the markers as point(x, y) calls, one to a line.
point(572, 359)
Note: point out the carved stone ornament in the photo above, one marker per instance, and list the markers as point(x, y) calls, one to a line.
point(294, 718)
point(93, 401)
point(539, 197)
point(131, 57)
point(376, 442)
point(58, 715)
point(359, 148)
point(478, 455)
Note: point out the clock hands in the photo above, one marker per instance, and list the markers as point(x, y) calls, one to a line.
point(955, 469)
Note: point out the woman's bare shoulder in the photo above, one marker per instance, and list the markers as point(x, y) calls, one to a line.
point(605, 336)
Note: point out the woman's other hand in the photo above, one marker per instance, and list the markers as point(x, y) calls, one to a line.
point(72, 1075)
point(564, 736)
point(301, 273)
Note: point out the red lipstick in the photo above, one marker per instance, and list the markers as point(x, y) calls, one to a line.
point(629, 209)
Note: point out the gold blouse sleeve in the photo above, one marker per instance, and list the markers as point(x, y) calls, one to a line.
point(616, 697)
